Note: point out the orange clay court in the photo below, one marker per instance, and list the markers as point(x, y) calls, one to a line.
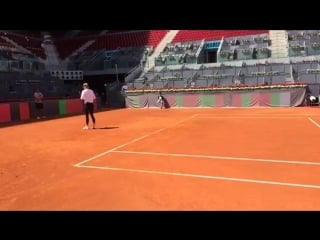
point(172, 159)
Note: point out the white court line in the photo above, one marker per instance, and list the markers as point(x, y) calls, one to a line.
point(207, 177)
point(254, 114)
point(132, 141)
point(221, 157)
point(314, 122)
point(253, 117)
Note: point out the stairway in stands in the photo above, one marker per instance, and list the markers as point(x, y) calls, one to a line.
point(279, 43)
point(167, 39)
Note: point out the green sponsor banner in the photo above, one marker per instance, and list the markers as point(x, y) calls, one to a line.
point(179, 101)
point(136, 101)
point(62, 107)
point(214, 100)
point(275, 99)
point(245, 99)
point(207, 101)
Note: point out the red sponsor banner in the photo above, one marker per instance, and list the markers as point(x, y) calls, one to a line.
point(236, 100)
point(24, 111)
point(5, 115)
point(190, 100)
point(74, 106)
point(220, 100)
point(264, 99)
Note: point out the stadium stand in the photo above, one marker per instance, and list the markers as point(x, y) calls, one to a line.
point(189, 58)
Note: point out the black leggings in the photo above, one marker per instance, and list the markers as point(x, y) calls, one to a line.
point(89, 110)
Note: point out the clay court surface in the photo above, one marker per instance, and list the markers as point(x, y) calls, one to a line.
point(171, 159)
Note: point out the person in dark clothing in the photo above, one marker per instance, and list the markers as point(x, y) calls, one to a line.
point(38, 101)
point(161, 100)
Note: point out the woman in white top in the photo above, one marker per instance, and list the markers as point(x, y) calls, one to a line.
point(88, 97)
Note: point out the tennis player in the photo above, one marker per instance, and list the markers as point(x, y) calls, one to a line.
point(88, 97)
point(160, 100)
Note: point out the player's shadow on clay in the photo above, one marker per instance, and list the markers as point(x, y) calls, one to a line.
point(166, 103)
point(105, 128)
